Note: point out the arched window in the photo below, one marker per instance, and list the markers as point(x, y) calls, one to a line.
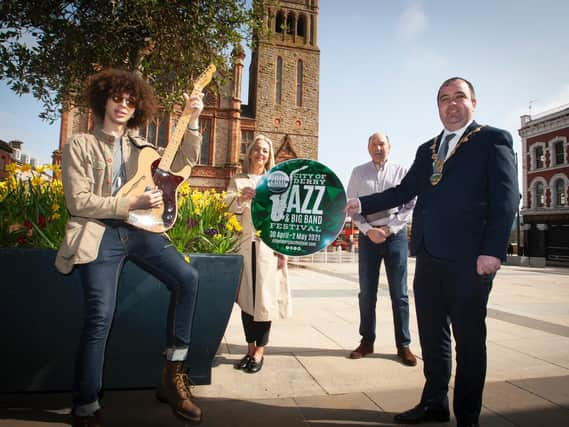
point(539, 195)
point(301, 26)
point(207, 143)
point(559, 152)
point(279, 81)
point(246, 139)
point(299, 79)
point(280, 22)
point(156, 131)
point(560, 193)
point(539, 157)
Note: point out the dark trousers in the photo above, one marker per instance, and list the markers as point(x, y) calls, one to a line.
point(452, 293)
point(393, 252)
point(255, 331)
point(99, 279)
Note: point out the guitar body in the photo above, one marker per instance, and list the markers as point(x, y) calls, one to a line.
point(148, 176)
point(154, 171)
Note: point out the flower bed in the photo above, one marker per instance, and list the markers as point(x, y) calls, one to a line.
point(33, 214)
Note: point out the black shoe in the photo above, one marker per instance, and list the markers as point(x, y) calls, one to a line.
point(253, 366)
point(422, 414)
point(242, 364)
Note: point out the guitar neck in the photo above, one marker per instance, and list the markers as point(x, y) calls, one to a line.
point(182, 125)
point(175, 141)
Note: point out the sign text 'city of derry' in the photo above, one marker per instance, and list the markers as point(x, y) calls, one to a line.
point(299, 207)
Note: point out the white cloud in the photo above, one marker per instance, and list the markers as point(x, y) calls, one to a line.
point(413, 21)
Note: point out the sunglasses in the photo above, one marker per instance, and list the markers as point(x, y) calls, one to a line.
point(130, 102)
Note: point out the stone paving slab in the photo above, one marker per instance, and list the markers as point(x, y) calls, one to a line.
point(523, 408)
point(553, 389)
point(308, 380)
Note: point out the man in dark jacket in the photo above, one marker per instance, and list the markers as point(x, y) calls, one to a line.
point(465, 181)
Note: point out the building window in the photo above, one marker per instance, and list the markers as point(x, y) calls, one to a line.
point(539, 195)
point(279, 81)
point(156, 133)
point(205, 126)
point(301, 26)
point(312, 20)
point(280, 23)
point(539, 157)
point(560, 193)
point(246, 139)
point(299, 77)
point(559, 150)
point(1, 164)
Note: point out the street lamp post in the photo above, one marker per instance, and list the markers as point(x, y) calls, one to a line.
point(518, 215)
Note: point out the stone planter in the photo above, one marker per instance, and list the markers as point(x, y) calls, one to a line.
point(41, 315)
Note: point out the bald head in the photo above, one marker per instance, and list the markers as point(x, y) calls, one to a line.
point(378, 147)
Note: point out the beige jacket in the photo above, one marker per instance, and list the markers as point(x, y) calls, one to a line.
point(87, 173)
point(272, 298)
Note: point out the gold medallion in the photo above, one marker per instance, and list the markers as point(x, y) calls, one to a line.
point(436, 177)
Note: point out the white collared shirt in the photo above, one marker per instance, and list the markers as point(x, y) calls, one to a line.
point(457, 135)
point(368, 179)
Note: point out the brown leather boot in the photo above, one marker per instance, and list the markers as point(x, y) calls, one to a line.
point(174, 389)
point(406, 356)
point(362, 351)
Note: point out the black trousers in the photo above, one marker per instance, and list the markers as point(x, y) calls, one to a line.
point(255, 331)
point(452, 293)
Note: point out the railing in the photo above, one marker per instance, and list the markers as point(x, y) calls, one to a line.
point(324, 256)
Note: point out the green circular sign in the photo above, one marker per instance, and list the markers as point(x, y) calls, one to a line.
point(299, 207)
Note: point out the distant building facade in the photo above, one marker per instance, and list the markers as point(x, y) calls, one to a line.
point(5, 158)
point(545, 210)
point(11, 152)
point(283, 100)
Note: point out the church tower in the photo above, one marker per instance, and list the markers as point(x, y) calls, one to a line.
point(284, 79)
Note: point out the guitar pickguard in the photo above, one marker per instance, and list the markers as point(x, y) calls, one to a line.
point(160, 219)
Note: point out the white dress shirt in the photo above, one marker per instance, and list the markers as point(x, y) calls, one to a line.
point(370, 178)
point(457, 135)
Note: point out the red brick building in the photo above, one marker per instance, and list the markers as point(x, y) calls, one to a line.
point(11, 152)
point(545, 208)
point(283, 100)
point(5, 158)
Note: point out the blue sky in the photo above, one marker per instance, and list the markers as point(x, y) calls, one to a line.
point(382, 63)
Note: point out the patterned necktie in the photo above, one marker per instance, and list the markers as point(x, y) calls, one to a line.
point(443, 149)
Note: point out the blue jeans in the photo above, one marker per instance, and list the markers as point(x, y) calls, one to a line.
point(99, 279)
point(393, 252)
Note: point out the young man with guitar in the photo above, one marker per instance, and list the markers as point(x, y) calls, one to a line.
point(101, 234)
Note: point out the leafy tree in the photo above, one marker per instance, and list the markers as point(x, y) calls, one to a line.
point(50, 47)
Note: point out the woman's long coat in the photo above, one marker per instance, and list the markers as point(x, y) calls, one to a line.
point(271, 299)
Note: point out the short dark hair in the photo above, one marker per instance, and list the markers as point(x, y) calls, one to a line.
point(112, 81)
point(452, 79)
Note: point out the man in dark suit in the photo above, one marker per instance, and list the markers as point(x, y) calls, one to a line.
point(465, 181)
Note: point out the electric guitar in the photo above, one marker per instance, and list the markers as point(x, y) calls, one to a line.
point(154, 171)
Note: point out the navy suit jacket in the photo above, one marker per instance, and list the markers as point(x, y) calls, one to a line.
point(470, 212)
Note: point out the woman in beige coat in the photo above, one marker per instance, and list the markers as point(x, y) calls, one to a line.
point(264, 293)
